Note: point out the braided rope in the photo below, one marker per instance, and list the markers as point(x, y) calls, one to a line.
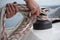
point(18, 34)
point(3, 33)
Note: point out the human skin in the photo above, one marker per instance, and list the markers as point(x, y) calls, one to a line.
point(12, 9)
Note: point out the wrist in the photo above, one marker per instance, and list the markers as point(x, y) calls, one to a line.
point(28, 0)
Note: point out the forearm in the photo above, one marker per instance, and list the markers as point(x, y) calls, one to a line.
point(28, 0)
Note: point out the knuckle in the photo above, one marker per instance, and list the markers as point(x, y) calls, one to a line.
point(7, 5)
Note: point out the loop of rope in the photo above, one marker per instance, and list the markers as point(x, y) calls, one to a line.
point(23, 32)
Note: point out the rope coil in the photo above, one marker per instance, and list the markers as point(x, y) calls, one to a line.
point(17, 32)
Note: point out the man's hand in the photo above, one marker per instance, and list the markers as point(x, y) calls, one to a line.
point(33, 6)
point(11, 9)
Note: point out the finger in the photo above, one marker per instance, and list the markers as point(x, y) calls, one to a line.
point(12, 7)
point(9, 8)
point(33, 11)
point(16, 9)
point(12, 10)
point(38, 12)
point(33, 15)
point(7, 13)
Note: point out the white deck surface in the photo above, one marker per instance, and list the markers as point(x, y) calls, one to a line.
point(50, 34)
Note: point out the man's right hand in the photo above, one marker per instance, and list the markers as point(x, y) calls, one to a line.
point(11, 10)
point(33, 7)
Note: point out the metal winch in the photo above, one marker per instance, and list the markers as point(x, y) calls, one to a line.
point(42, 21)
